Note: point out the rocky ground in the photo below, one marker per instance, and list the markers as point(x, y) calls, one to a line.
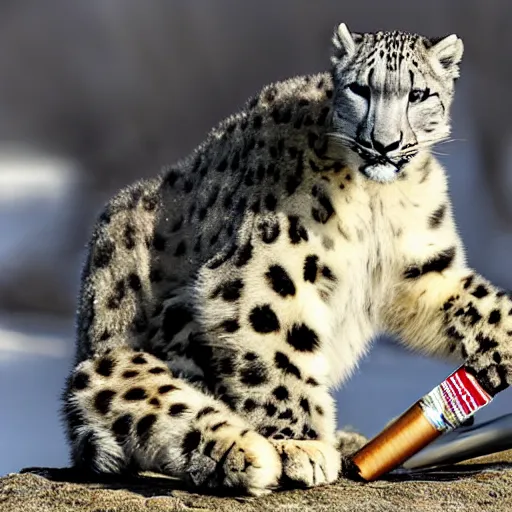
point(480, 485)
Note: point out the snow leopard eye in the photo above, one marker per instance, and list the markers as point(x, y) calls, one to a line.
point(419, 95)
point(360, 90)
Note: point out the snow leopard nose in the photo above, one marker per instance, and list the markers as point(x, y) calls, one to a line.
point(384, 149)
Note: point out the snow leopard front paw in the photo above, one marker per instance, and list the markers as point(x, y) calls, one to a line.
point(307, 463)
point(237, 460)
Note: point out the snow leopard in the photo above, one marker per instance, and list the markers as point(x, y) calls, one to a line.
point(224, 299)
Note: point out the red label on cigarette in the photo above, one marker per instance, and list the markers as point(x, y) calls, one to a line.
point(464, 388)
point(454, 400)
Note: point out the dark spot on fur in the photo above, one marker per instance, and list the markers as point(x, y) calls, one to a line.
point(311, 434)
point(230, 325)
point(226, 366)
point(231, 400)
point(304, 403)
point(139, 359)
point(281, 393)
point(244, 255)
point(287, 414)
point(218, 425)
point(468, 281)
point(437, 217)
point(448, 304)
point(229, 291)
point(103, 400)
point(270, 94)
point(80, 381)
point(287, 432)
point(472, 314)
point(480, 292)
point(438, 263)
point(149, 203)
point(297, 232)
point(129, 237)
point(267, 430)
point(144, 426)
point(249, 405)
point(283, 363)
point(105, 367)
point(157, 370)
point(486, 343)
point(326, 211)
point(103, 253)
point(452, 332)
point(263, 319)
point(302, 338)
point(293, 182)
point(205, 411)
point(268, 229)
point(280, 281)
point(166, 388)
point(105, 336)
point(270, 409)
point(254, 374)
point(495, 317)
point(191, 441)
point(310, 268)
point(114, 302)
point(327, 273)
point(178, 409)
point(122, 426)
point(135, 394)
point(208, 449)
point(129, 374)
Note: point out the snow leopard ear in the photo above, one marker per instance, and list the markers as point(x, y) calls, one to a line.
point(447, 53)
point(344, 42)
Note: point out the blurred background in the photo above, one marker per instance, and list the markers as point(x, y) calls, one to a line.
point(95, 94)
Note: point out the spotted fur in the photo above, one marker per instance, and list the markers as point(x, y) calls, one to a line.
point(222, 300)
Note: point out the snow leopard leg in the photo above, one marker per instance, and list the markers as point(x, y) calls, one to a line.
point(124, 409)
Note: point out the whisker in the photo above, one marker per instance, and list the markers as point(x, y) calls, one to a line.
point(344, 141)
point(408, 151)
point(454, 140)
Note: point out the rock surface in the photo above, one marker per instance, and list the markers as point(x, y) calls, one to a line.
point(482, 484)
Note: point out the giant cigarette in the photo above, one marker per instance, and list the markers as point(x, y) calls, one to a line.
point(446, 407)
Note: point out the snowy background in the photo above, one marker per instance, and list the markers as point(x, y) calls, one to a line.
point(92, 96)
